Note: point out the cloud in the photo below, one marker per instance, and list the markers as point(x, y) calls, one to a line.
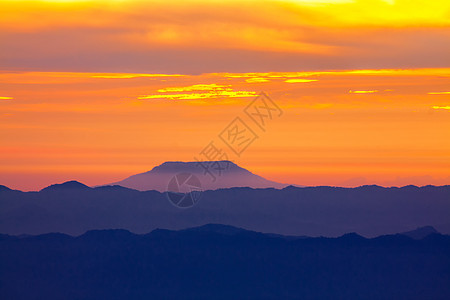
point(197, 87)
point(199, 91)
point(257, 80)
point(6, 98)
point(439, 93)
point(363, 92)
point(442, 107)
point(300, 80)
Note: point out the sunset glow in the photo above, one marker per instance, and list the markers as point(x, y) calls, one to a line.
point(98, 90)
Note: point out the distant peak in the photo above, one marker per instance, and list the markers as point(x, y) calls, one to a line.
point(68, 185)
point(370, 186)
point(410, 187)
point(291, 187)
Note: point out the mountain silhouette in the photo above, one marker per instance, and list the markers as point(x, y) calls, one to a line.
point(69, 185)
point(222, 262)
point(212, 175)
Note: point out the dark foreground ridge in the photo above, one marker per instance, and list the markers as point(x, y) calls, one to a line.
point(223, 262)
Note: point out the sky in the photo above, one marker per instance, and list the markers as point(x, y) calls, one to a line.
point(98, 90)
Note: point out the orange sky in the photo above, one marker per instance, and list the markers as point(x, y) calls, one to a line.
point(99, 90)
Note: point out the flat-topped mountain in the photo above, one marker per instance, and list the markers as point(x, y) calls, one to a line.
point(213, 175)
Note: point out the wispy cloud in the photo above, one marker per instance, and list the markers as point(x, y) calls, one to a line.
point(300, 80)
point(199, 91)
point(197, 87)
point(442, 107)
point(363, 92)
point(257, 80)
point(193, 96)
point(439, 93)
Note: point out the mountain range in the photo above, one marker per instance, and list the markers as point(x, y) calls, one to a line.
point(74, 208)
point(223, 262)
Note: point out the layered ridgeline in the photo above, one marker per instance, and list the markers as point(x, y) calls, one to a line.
point(212, 175)
point(74, 208)
point(223, 262)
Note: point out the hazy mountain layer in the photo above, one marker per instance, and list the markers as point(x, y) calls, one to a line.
point(74, 208)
